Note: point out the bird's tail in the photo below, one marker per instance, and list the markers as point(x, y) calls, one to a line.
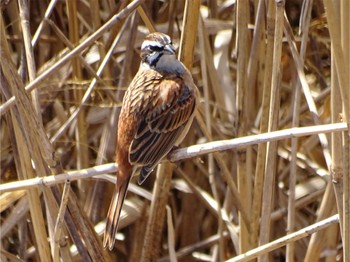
point(114, 213)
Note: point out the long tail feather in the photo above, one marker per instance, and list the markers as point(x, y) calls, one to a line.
point(114, 213)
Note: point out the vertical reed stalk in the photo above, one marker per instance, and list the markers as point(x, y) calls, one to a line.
point(81, 130)
point(290, 251)
point(243, 104)
point(345, 43)
point(271, 147)
point(151, 247)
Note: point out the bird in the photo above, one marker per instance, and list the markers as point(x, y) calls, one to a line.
point(157, 111)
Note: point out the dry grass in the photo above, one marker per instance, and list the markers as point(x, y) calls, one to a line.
point(264, 172)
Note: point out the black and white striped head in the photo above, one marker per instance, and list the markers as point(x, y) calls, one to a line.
point(154, 47)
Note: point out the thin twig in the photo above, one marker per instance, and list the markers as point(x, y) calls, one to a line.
point(179, 154)
point(221, 145)
point(305, 232)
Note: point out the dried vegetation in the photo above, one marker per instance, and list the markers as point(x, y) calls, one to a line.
point(266, 173)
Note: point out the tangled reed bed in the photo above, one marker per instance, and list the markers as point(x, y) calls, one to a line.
point(263, 173)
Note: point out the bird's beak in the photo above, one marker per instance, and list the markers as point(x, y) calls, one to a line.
point(170, 49)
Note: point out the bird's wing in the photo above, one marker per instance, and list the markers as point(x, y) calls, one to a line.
point(165, 106)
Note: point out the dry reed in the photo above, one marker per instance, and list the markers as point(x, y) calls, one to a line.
point(263, 175)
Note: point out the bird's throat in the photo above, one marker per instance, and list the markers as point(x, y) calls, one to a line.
point(166, 64)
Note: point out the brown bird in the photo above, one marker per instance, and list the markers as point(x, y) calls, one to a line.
point(157, 111)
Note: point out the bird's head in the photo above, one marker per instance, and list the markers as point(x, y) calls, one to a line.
point(154, 46)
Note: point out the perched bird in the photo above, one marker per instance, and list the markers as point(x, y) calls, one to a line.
point(157, 111)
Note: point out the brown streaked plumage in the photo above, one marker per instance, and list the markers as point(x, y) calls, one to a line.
point(157, 111)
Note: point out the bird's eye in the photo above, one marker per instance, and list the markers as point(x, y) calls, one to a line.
point(155, 48)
